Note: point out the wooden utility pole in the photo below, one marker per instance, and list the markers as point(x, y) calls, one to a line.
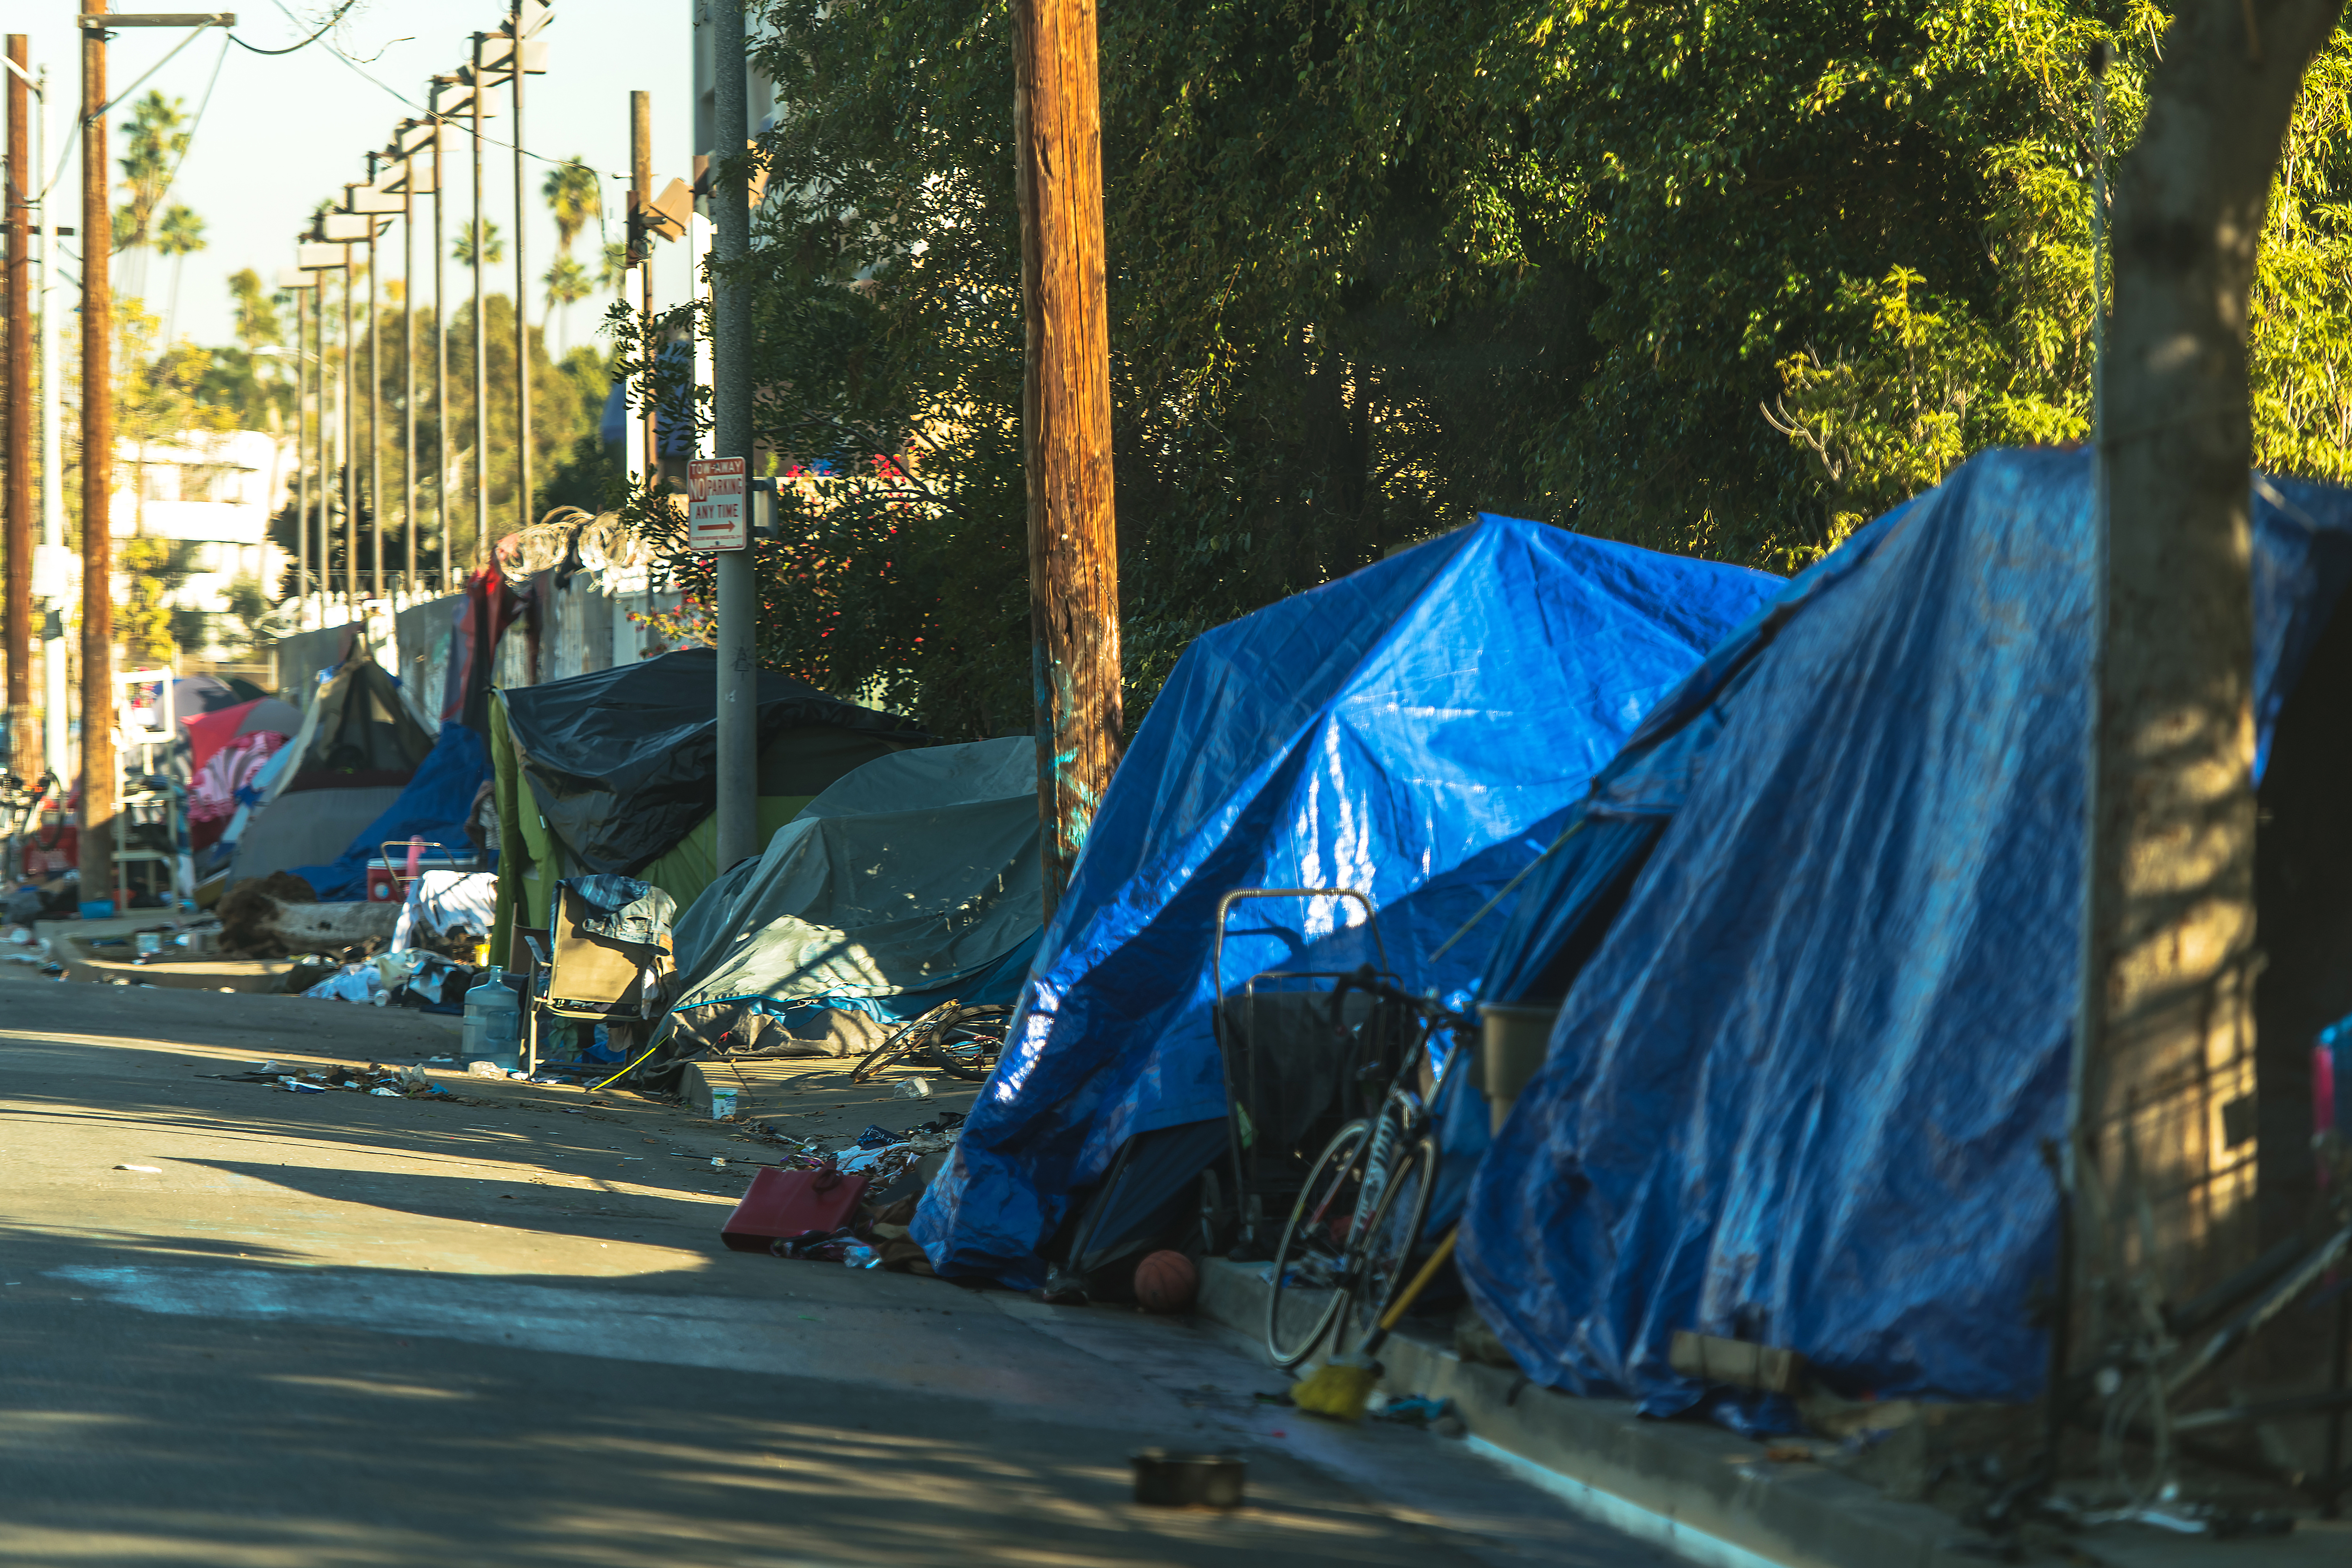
point(408, 357)
point(18, 294)
point(96, 473)
point(2163, 1154)
point(1066, 422)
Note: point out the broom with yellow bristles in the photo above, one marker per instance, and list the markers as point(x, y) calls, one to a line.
point(1339, 1389)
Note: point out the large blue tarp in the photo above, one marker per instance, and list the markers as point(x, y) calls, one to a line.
point(1415, 731)
point(1818, 940)
point(433, 806)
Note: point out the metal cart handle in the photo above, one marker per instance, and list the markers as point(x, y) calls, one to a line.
point(1224, 905)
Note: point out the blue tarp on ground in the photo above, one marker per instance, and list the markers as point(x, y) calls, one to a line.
point(1415, 731)
point(432, 806)
point(1799, 1090)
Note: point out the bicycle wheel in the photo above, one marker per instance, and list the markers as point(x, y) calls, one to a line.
point(1310, 1268)
point(1386, 1247)
point(967, 1044)
point(903, 1040)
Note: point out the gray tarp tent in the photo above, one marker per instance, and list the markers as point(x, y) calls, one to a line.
point(356, 750)
point(911, 880)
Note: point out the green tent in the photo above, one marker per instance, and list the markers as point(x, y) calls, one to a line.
point(613, 772)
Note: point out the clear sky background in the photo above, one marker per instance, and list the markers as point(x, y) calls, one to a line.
point(280, 133)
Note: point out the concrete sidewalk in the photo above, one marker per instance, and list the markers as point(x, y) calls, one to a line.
point(1713, 1497)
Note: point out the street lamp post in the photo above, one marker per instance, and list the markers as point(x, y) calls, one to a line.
point(481, 336)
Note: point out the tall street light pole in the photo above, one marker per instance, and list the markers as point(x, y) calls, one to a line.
point(304, 294)
point(1066, 422)
point(440, 345)
point(16, 290)
point(481, 336)
point(98, 792)
point(320, 257)
point(641, 254)
point(308, 424)
point(408, 359)
point(519, 66)
point(738, 827)
point(375, 417)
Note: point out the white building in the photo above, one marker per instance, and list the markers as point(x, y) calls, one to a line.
point(216, 491)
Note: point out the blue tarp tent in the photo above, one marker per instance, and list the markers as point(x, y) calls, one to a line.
point(1817, 938)
point(1415, 731)
point(432, 806)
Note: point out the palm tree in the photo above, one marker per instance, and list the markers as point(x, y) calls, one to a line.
point(155, 140)
point(615, 265)
point(567, 285)
point(573, 196)
point(179, 235)
point(494, 249)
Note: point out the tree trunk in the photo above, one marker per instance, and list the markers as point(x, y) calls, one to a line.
point(2164, 1149)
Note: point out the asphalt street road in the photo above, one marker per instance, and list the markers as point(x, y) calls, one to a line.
point(343, 1331)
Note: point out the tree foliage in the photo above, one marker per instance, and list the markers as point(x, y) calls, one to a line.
point(1723, 280)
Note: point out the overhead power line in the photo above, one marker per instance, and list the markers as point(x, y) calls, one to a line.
point(324, 27)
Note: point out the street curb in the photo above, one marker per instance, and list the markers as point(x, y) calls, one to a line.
point(1701, 1492)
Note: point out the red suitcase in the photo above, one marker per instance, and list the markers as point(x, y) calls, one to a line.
point(786, 1206)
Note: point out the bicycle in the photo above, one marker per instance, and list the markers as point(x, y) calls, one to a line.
point(961, 1042)
point(1351, 1234)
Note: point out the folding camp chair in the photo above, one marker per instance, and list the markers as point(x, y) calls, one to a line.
point(578, 974)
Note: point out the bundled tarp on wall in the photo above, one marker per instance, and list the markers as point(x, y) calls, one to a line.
point(433, 807)
point(913, 880)
point(1814, 1045)
point(1415, 731)
point(614, 771)
point(356, 751)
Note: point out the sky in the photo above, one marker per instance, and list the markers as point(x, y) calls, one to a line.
point(278, 134)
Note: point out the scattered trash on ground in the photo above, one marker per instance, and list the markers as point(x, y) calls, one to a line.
point(915, 1089)
point(1411, 1410)
point(143, 1170)
point(391, 1083)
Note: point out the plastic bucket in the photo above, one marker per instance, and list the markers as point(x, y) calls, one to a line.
point(1512, 1043)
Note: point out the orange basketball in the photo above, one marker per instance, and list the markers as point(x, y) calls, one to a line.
point(1166, 1282)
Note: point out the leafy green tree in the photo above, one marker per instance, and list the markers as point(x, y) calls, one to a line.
point(254, 378)
point(155, 138)
point(1721, 281)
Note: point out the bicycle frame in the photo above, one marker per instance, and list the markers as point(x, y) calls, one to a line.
point(1244, 1189)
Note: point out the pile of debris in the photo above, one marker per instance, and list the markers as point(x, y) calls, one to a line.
point(385, 1082)
point(852, 1205)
